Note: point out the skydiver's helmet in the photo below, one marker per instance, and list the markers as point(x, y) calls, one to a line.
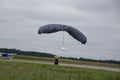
point(56, 57)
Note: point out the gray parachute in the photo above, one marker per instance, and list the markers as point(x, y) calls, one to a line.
point(52, 28)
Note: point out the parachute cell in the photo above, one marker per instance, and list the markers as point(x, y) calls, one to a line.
point(52, 28)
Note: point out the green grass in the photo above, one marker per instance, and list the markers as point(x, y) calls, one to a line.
point(31, 71)
point(67, 61)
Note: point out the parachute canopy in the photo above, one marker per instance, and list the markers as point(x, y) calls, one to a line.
point(52, 28)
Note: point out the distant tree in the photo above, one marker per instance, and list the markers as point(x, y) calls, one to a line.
point(42, 54)
point(27, 53)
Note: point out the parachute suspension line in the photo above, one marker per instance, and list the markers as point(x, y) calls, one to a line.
point(63, 40)
point(63, 48)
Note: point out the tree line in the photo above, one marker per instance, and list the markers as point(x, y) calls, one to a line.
point(26, 53)
point(43, 54)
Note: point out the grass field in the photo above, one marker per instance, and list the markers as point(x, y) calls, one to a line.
point(67, 61)
point(31, 71)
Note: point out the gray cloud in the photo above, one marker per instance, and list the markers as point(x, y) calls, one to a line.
point(97, 19)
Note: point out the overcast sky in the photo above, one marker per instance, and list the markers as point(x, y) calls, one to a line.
point(99, 20)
